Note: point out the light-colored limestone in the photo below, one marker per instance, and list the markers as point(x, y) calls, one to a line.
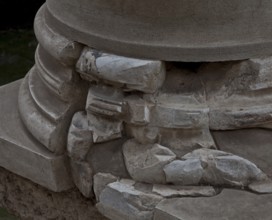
point(22, 154)
point(100, 181)
point(213, 167)
point(230, 204)
point(130, 74)
point(170, 191)
point(145, 162)
point(121, 201)
point(261, 187)
point(80, 137)
point(188, 172)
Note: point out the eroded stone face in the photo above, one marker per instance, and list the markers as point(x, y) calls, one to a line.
point(141, 133)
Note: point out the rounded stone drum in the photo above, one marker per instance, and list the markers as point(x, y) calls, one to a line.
point(172, 30)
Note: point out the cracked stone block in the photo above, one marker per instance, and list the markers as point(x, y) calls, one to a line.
point(100, 181)
point(263, 187)
point(213, 167)
point(188, 172)
point(121, 201)
point(170, 191)
point(128, 73)
point(83, 177)
point(105, 100)
point(80, 137)
point(104, 129)
point(145, 162)
point(230, 204)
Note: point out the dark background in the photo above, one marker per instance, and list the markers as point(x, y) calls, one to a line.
point(18, 13)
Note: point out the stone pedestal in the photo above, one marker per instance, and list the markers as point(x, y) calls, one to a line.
point(116, 107)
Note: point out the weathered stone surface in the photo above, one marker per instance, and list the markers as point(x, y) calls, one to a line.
point(108, 158)
point(145, 162)
point(100, 181)
point(169, 191)
point(131, 74)
point(105, 100)
point(80, 137)
point(22, 154)
point(121, 201)
point(238, 93)
point(261, 187)
point(213, 167)
point(104, 129)
point(83, 177)
point(28, 200)
point(253, 144)
point(230, 204)
point(188, 172)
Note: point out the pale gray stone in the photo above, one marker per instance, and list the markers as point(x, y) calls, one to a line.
point(105, 100)
point(100, 181)
point(121, 201)
point(188, 172)
point(230, 204)
point(83, 177)
point(22, 154)
point(80, 137)
point(145, 162)
point(252, 144)
point(262, 187)
point(132, 74)
point(104, 129)
point(169, 191)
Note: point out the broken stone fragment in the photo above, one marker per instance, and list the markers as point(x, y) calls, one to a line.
point(105, 100)
point(170, 191)
point(83, 177)
point(262, 187)
point(121, 201)
point(131, 74)
point(100, 181)
point(145, 162)
point(188, 172)
point(213, 167)
point(79, 137)
point(104, 129)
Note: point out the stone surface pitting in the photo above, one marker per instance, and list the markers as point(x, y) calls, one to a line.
point(22, 154)
point(230, 204)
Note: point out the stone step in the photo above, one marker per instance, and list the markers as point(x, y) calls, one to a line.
point(21, 153)
point(229, 205)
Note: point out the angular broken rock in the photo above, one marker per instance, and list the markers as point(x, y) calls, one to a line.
point(170, 191)
point(145, 162)
point(80, 137)
point(206, 166)
point(131, 74)
point(100, 181)
point(262, 187)
point(83, 177)
point(121, 201)
point(104, 129)
point(188, 172)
